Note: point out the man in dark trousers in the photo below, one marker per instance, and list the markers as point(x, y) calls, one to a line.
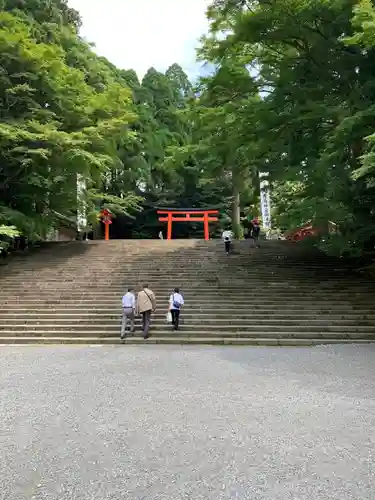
point(176, 301)
point(256, 231)
point(227, 238)
point(146, 305)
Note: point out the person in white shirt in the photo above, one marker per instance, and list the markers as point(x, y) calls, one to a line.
point(176, 301)
point(227, 238)
point(128, 308)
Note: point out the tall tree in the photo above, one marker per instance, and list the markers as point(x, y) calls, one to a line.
point(313, 63)
point(181, 86)
point(63, 112)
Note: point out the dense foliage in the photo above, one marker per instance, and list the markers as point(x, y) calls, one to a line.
point(313, 64)
point(63, 112)
point(291, 93)
point(68, 114)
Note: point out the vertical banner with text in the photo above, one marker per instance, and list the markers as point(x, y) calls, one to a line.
point(81, 204)
point(265, 203)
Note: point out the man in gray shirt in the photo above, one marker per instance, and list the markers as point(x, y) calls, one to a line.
point(128, 308)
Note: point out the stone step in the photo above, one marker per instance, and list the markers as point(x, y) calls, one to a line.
point(95, 314)
point(209, 300)
point(181, 340)
point(242, 322)
point(213, 299)
point(211, 305)
point(188, 286)
point(165, 276)
point(105, 328)
point(195, 260)
point(205, 268)
point(191, 287)
point(166, 271)
point(81, 314)
point(206, 306)
point(126, 259)
point(248, 294)
point(192, 290)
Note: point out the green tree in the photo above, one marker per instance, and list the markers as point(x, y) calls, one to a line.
point(63, 113)
point(313, 63)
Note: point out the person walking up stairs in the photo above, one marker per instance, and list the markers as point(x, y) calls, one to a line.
point(227, 238)
point(128, 311)
point(176, 301)
point(146, 305)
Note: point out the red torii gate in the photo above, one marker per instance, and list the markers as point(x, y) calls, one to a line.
point(170, 215)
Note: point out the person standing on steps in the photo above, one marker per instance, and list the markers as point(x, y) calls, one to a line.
point(128, 310)
point(248, 225)
point(256, 231)
point(176, 301)
point(227, 238)
point(146, 305)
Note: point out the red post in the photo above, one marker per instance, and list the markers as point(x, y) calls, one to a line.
point(106, 232)
point(169, 228)
point(205, 223)
point(182, 215)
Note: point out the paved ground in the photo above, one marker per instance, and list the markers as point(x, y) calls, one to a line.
point(180, 423)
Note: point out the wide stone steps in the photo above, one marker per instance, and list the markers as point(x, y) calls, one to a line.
point(276, 295)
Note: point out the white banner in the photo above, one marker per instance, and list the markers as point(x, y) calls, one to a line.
point(265, 202)
point(81, 203)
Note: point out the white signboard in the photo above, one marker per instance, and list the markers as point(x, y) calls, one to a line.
point(265, 203)
point(81, 204)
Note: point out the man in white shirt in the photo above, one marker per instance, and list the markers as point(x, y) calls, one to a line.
point(128, 308)
point(176, 301)
point(227, 238)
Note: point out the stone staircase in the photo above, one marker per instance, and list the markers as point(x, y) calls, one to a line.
point(276, 295)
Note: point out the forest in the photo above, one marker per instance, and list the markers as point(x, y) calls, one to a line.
point(292, 93)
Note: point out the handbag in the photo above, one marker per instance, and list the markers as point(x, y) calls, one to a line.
point(169, 317)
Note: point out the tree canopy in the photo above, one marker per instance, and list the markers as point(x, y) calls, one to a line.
point(313, 128)
point(290, 92)
point(68, 114)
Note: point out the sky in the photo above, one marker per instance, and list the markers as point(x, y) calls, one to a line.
point(138, 34)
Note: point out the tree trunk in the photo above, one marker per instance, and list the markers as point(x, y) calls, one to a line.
point(236, 211)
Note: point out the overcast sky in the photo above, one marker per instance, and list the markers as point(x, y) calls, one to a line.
point(138, 34)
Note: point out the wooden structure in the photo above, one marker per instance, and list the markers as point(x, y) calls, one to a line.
point(171, 215)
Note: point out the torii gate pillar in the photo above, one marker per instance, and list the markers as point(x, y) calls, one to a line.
point(171, 215)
